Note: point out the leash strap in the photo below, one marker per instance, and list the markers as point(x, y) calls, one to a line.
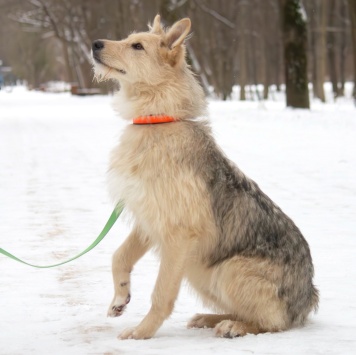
point(111, 221)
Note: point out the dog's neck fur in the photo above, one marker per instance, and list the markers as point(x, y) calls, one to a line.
point(180, 96)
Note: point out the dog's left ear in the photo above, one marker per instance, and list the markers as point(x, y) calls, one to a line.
point(156, 28)
point(174, 41)
point(177, 33)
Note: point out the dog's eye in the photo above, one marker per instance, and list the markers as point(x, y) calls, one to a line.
point(137, 46)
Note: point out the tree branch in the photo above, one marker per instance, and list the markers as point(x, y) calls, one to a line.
point(216, 15)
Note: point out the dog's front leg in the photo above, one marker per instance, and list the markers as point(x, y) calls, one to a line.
point(173, 260)
point(125, 257)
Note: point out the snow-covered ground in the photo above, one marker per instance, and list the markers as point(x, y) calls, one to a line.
point(53, 202)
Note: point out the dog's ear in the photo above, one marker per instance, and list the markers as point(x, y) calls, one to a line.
point(177, 33)
point(156, 28)
point(173, 40)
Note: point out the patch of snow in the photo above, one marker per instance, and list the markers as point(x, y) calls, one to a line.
point(303, 13)
point(54, 152)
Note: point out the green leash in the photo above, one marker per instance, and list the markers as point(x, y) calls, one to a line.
point(111, 221)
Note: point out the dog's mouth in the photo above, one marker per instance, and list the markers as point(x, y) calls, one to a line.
point(99, 61)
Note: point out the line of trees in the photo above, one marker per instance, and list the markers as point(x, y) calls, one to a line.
point(240, 42)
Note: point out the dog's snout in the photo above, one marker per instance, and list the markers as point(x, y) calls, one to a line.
point(97, 45)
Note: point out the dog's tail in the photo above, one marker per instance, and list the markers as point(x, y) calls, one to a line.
point(311, 306)
point(315, 299)
point(302, 304)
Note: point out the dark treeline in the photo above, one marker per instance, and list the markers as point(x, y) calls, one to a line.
point(233, 43)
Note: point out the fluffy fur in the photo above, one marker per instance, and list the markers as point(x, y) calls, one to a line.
point(210, 223)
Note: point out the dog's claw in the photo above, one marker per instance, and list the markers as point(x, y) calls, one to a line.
point(118, 310)
point(128, 299)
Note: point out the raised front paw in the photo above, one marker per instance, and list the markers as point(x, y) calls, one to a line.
point(136, 333)
point(118, 306)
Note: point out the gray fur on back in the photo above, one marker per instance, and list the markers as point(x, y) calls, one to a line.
point(250, 224)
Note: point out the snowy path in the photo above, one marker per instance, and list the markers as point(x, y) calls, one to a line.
point(53, 203)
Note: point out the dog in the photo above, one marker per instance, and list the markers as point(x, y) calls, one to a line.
point(209, 223)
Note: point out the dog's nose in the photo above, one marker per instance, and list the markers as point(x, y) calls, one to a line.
point(97, 45)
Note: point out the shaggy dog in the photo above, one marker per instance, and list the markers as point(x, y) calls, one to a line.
point(209, 223)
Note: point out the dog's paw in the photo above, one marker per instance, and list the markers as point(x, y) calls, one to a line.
point(230, 329)
point(198, 321)
point(136, 333)
point(117, 306)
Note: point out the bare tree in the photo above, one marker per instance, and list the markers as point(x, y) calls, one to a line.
point(352, 8)
point(331, 48)
point(219, 53)
point(344, 22)
point(233, 42)
point(242, 54)
point(320, 48)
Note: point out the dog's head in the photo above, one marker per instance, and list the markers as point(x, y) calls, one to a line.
point(146, 57)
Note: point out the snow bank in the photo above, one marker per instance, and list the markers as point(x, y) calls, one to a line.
point(53, 157)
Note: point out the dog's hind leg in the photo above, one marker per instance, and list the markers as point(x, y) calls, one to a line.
point(125, 257)
point(225, 325)
point(249, 289)
point(208, 320)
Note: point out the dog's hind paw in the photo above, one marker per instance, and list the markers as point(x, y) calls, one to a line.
point(208, 320)
point(230, 329)
point(117, 307)
point(198, 321)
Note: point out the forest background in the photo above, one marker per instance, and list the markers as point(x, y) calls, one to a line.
point(241, 42)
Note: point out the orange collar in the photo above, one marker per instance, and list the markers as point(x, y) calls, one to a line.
point(151, 119)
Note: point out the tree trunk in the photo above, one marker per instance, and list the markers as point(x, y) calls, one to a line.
point(331, 50)
point(266, 48)
point(312, 46)
point(242, 50)
point(295, 53)
point(320, 47)
point(343, 42)
point(352, 10)
point(254, 62)
point(278, 55)
point(69, 73)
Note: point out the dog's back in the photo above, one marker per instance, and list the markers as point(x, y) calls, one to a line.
point(249, 224)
